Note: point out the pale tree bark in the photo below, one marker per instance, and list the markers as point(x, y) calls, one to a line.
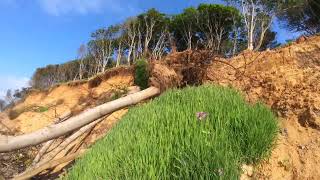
point(131, 29)
point(187, 33)
point(265, 26)
point(46, 146)
point(250, 18)
point(159, 48)
point(106, 55)
point(10, 143)
point(82, 54)
point(149, 34)
point(119, 54)
point(139, 45)
point(64, 144)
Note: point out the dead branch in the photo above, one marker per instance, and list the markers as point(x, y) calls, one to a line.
point(46, 146)
point(49, 165)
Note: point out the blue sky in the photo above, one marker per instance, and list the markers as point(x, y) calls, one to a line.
point(40, 32)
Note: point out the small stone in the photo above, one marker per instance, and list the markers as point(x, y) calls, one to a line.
point(247, 170)
point(220, 172)
point(284, 132)
point(302, 147)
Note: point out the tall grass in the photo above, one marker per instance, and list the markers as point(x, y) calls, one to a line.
point(164, 139)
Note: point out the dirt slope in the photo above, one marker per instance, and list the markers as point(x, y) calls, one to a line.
point(41, 108)
point(287, 80)
point(65, 97)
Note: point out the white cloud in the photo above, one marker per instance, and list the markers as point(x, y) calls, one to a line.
point(61, 7)
point(11, 82)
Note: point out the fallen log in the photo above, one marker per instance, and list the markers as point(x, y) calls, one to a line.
point(63, 146)
point(10, 143)
point(69, 140)
point(46, 146)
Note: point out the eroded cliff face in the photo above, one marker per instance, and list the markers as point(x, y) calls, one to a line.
point(40, 109)
point(287, 80)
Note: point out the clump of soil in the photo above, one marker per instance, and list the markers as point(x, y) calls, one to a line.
point(288, 81)
point(180, 69)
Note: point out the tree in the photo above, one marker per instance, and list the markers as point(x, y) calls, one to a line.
point(101, 47)
point(215, 24)
point(151, 24)
point(301, 15)
point(82, 53)
point(131, 33)
point(9, 97)
point(2, 105)
point(183, 27)
point(258, 16)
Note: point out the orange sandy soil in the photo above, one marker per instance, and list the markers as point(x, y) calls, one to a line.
point(287, 80)
point(70, 96)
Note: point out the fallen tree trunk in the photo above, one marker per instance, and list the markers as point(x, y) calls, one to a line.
point(46, 146)
point(10, 143)
point(69, 140)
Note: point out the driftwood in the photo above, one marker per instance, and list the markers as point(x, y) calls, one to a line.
point(9, 143)
point(69, 140)
point(75, 148)
point(63, 147)
point(49, 165)
point(46, 146)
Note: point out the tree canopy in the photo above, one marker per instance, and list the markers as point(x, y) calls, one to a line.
point(301, 15)
point(224, 30)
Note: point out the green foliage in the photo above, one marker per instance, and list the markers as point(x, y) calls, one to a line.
point(301, 15)
point(118, 93)
point(164, 139)
point(141, 75)
point(42, 109)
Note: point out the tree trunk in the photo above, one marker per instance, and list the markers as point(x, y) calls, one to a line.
point(10, 143)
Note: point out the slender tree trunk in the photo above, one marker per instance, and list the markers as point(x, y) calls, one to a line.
point(119, 54)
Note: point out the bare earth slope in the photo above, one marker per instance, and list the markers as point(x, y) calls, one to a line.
point(65, 97)
point(287, 80)
point(74, 97)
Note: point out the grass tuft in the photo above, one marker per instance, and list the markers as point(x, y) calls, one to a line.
point(206, 132)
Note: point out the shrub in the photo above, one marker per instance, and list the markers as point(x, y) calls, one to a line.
point(207, 132)
point(41, 109)
point(141, 75)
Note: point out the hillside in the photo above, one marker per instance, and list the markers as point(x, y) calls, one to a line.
point(41, 108)
point(286, 79)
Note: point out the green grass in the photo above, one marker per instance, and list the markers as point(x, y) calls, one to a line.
point(164, 139)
